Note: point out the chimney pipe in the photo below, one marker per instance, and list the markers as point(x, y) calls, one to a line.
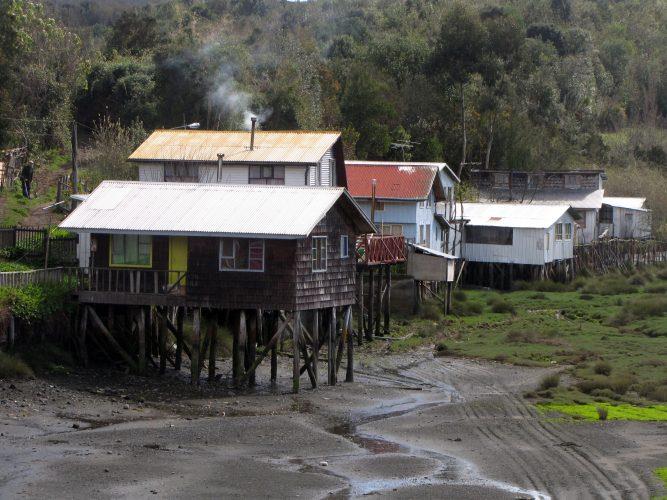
point(221, 157)
point(253, 121)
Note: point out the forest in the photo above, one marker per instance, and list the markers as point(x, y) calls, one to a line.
point(519, 84)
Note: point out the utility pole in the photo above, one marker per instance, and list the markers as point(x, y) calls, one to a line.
point(75, 158)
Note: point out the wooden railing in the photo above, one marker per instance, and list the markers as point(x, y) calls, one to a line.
point(32, 242)
point(375, 250)
point(609, 255)
point(38, 276)
point(122, 280)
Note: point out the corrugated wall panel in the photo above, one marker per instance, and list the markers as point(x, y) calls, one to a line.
point(234, 174)
point(295, 176)
point(325, 169)
point(151, 172)
point(208, 174)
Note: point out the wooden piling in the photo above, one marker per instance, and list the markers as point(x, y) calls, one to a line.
point(196, 334)
point(387, 299)
point(360, 307)
point(213, 343)
point(83, 351)
point(296, 334)
point(180, 314)
point(251, 351)
point(380, 297)
point(331, 353)
point(141, 337)
point(349, 373)
point(371, 304)
point(316, 342)
point(162, 343)
point(238, 347)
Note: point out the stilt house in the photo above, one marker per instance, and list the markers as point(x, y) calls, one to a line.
point(625, 218)
point(516, 240)
point(224, 247)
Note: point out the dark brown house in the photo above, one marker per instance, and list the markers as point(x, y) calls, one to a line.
point(231, 247)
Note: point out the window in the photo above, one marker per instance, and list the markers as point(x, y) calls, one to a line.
point(501, 179)
point(535, 180)
point(582, 218)
point(606, 214)
point(571, 181)
point(266, 174)
point(391, 230)
point(344, 246)
point(559, 232)
point(319, 256)
point(489, 235)
point(181, 172)
point(421, 234)
point(548, 241)
point(427, 240)
point(131, 250)
point(568, 231)
point(241, 255)
point(379, 206)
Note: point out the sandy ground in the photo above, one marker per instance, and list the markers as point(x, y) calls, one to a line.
point(409, 427)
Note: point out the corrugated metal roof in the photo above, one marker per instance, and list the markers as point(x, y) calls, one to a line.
point(430, 251)
point(209, 209)
point(512, 214)
point(394, 181)
point(204, 145)
point(625, 202)
point(575, 198)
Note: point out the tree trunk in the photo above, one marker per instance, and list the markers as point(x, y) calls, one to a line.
point(463, 131)
point(489, 144)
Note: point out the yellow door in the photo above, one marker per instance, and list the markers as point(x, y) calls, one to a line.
point(178, 258)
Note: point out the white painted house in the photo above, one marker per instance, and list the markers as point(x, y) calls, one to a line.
point(510, 233)
point(406, 194)
point(582, 190)
point(293, 158)
point(625, 218)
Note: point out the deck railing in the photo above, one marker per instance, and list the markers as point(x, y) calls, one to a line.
point(123, 280)
point(375, 250)
point(38, 276)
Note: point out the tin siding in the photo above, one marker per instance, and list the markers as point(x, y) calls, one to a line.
point(527, 248)
point(208, 174)
point(151, 172)
point(234, 174)
point(295, 176)
point(335, 286)
point(325, 169)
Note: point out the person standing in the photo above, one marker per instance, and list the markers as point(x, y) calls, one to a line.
point(27, 172)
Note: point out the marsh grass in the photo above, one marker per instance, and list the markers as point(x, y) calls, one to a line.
point(13, 367)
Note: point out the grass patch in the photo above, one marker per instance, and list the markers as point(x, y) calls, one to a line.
point(549, 382)
point(13, 367)
point(656, 413)
point(661, 473)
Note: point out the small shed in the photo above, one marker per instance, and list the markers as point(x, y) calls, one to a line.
point(625, 217)
point(538, 238)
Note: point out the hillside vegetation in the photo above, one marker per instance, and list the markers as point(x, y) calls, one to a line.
point(523, 84)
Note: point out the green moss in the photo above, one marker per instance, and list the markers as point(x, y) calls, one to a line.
point(661, 473)
point(656, 413)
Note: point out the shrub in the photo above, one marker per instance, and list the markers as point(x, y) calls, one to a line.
point(431, 311)
point(459, 295)
point(538, 296)
point(441, 349)
point(637, 279)
point(596, 383)
point(662, 274)
point(550, 381)
point(467, 308)
point(604, 393)
point(602, 368)
point(621, 383)
point(657, 288)
point(641, 308)
point(586, 296)
point(602, 412)
point(13, 367)
point(502, 306)
point(610, 284)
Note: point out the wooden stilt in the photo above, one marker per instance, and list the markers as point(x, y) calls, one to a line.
point(331, 355)
point(83, 351)
point(371, 304)
point(11, 335)
point(360, 307)
point(213, 344)
point(274, 352)
point(416, 297)
point(194, 358)
point(162, 344)
point(100, 326)
point(269, 347)
point(238, 355)
point(448, 293)
point(387, 299)
point(349, 373)
point(378, 311)
point(296, 334)
point(180, 314)
point(141, 336)
point(316, 342)
point(253, 327)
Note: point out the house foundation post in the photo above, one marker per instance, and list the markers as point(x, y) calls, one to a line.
point(196, 334)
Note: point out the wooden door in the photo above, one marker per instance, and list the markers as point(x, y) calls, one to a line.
point(178, 258)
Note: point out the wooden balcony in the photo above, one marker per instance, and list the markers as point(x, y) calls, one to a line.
point(373, 250)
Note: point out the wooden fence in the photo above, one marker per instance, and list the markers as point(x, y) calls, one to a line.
point(50, 275)
point(32, 242)
point(609, 255)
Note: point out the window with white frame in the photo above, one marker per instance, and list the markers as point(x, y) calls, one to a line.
point(379, 206)
point(237, 254)
point(559, 232)
point(266, 174)
point(133, 250)
point(319, 254)
point(568, 231)
point(391, 229)
point(344, 246)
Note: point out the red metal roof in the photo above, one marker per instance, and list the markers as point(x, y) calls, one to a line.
point(397, 181)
